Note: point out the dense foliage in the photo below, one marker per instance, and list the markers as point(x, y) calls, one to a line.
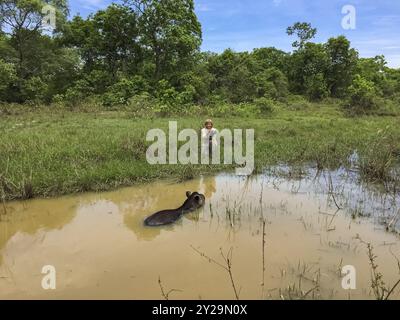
point(150, 50)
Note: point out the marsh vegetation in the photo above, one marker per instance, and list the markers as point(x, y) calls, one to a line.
point(50, 152)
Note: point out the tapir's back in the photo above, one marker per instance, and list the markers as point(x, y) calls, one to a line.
point(193, 202)
point(163, 218)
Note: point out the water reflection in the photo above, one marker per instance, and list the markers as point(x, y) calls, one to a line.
point(28, 217)
point(207, 186)
point(161, 197)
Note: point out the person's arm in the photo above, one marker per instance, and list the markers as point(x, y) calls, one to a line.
point(213, 133)
point(204, 133)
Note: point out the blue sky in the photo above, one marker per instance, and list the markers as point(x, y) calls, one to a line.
point(247, 24)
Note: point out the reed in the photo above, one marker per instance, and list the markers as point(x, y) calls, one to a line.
point(227, 266)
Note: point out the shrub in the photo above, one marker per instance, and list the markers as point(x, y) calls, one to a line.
point(243, 110)
point(123, 90)
point(7, 76)
point(271, 83)
point(166, 94)
point(297, 102)
point(317, 88)
point(265, 105)
point(246, 110)
point(34, 90)
point(187, 95)
point(362, 95)
point(142, 105)
point(170, 101)
point(77, 93)
point(378, 158)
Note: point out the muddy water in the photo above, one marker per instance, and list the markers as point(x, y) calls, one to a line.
point(101, 250)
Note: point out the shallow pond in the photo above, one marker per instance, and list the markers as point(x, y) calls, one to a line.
point(101, 250)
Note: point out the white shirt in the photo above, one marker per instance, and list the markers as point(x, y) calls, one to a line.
point(205, 138)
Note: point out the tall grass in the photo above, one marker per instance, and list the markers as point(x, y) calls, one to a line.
point(47, 152)
point(379, 157)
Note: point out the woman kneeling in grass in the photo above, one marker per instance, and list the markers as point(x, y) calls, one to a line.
point(209, 137)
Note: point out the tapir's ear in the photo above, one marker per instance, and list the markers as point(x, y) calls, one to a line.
point(188, 193)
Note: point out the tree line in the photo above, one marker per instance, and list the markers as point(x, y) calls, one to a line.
point(152, 48)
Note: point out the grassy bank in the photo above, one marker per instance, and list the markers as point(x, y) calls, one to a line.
point(48, 152)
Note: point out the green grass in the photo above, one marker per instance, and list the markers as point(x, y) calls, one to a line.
point(48, 153)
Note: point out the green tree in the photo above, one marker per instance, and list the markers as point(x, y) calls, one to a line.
point(316, 87)
point(393, 83)
point(376, 70)
point(362, 94)
point(233, 76)
point(271, 58)
point(199, 78)
point(308, 69)
point(271, 83)
point(342, 65)
point(34, 54)
point(107, 40)
point(24, 19)
point(29, 14)
point(171, 32)
point(304, 31)
point(7, 77)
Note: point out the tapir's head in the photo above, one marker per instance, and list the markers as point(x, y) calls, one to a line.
point(194, 201)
